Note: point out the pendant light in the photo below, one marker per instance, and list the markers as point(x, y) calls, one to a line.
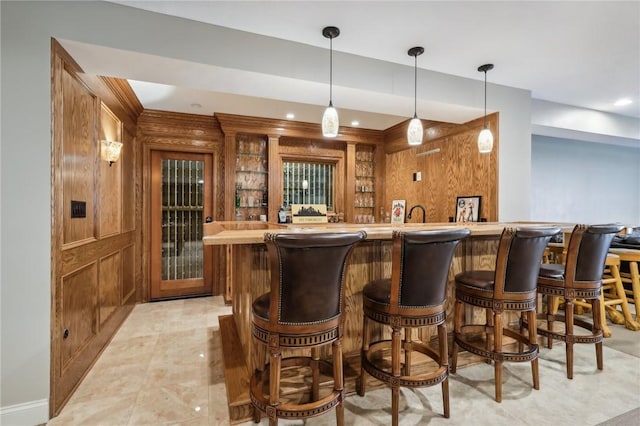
point(415, 131)
point(330, 122)
point(485, 138)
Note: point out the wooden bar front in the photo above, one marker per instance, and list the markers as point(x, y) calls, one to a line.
point(370, 260)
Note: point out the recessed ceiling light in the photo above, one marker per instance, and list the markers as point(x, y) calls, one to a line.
point(291, 116)
point(355, 123)
point(623, 102)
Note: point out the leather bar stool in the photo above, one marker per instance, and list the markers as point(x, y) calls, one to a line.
point(303, 310)
point(414, 297)
point(510, 286)
point(579, 278)
point(630, 275)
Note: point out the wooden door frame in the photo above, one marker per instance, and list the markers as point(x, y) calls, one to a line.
point(148, 148)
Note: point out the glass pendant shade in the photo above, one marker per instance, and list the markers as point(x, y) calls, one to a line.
point(330, 122)
point(415, 132)
point(485, 141)
point(485, 138)
point(110, 151)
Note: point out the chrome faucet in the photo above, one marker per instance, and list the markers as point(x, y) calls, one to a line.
point(424, 214)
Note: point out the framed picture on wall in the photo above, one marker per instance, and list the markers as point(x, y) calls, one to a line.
point(397, 211)
point(468, 208)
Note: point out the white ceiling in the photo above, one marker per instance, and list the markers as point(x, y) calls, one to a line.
point(580, 53)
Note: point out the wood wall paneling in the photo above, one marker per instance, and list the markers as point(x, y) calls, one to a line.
point(78, 157)
point(128, 181)
point(458, 169)
point(128, 275)
point(275, 180)
point(168, 131)
point(110, 178)
point(80, 314)
point(86, 260)
point(110, 278)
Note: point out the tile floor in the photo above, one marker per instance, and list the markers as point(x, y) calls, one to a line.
point(164, 367)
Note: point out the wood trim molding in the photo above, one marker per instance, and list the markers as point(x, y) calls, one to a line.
point(295, 129)
point(395, 139)
point(125, 95)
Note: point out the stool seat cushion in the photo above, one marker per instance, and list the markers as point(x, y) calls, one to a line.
point(261, 306)
point(552, 270)
point(483, 280)
point(378, 291)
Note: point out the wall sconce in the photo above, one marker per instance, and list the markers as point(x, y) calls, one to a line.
point(110, 150)
point(305, 184)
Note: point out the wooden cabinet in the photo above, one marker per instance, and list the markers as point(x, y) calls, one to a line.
point(252, 170)
point(365, 195)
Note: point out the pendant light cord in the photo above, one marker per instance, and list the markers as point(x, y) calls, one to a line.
point(331, 72)
point(485, 99)
point(415, 88)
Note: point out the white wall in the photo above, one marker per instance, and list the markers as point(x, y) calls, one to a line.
point(577, 181)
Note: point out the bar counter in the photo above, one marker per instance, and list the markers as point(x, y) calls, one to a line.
point(248, 278)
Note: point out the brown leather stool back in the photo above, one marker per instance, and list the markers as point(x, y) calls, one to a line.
point(302, 310)
point(581, 278)
point(511, 286)
point(307, 276)
point(424, 257)
point(413, 298)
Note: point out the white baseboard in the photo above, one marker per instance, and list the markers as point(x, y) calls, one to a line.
point(26, 414)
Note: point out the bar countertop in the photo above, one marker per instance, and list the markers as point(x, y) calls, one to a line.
point(252, 232)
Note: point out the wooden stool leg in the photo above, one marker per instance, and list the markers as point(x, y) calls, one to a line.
point(260, 362)
point(568, 315)
point(635, 286)
point(274, 385)
point(626, 312)
point(407, 351)
point(457, 324)
point(444, 353)
point(533, 338)
point(497, 347)
point(489, 341)
point(606, 332)
point(552, 308)
point(315, 372)
point(395, 371)
point(597, 329)
point(338, 379)
point(361, 382)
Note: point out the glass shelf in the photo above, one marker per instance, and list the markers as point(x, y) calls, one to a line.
point(252, 189)
point(252, 171)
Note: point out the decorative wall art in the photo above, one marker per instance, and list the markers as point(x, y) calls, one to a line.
point(397, 211)
point(468, 208)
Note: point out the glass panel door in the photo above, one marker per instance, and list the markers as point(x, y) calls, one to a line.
point(180, 203)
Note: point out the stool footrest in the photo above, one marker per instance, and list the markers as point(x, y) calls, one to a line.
point(294, 411)
point(416, 380)
point(561, 336)
point(528, 355)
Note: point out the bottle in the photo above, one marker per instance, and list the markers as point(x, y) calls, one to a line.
point(237, 198)
point(282, 215)
point(265, 199)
